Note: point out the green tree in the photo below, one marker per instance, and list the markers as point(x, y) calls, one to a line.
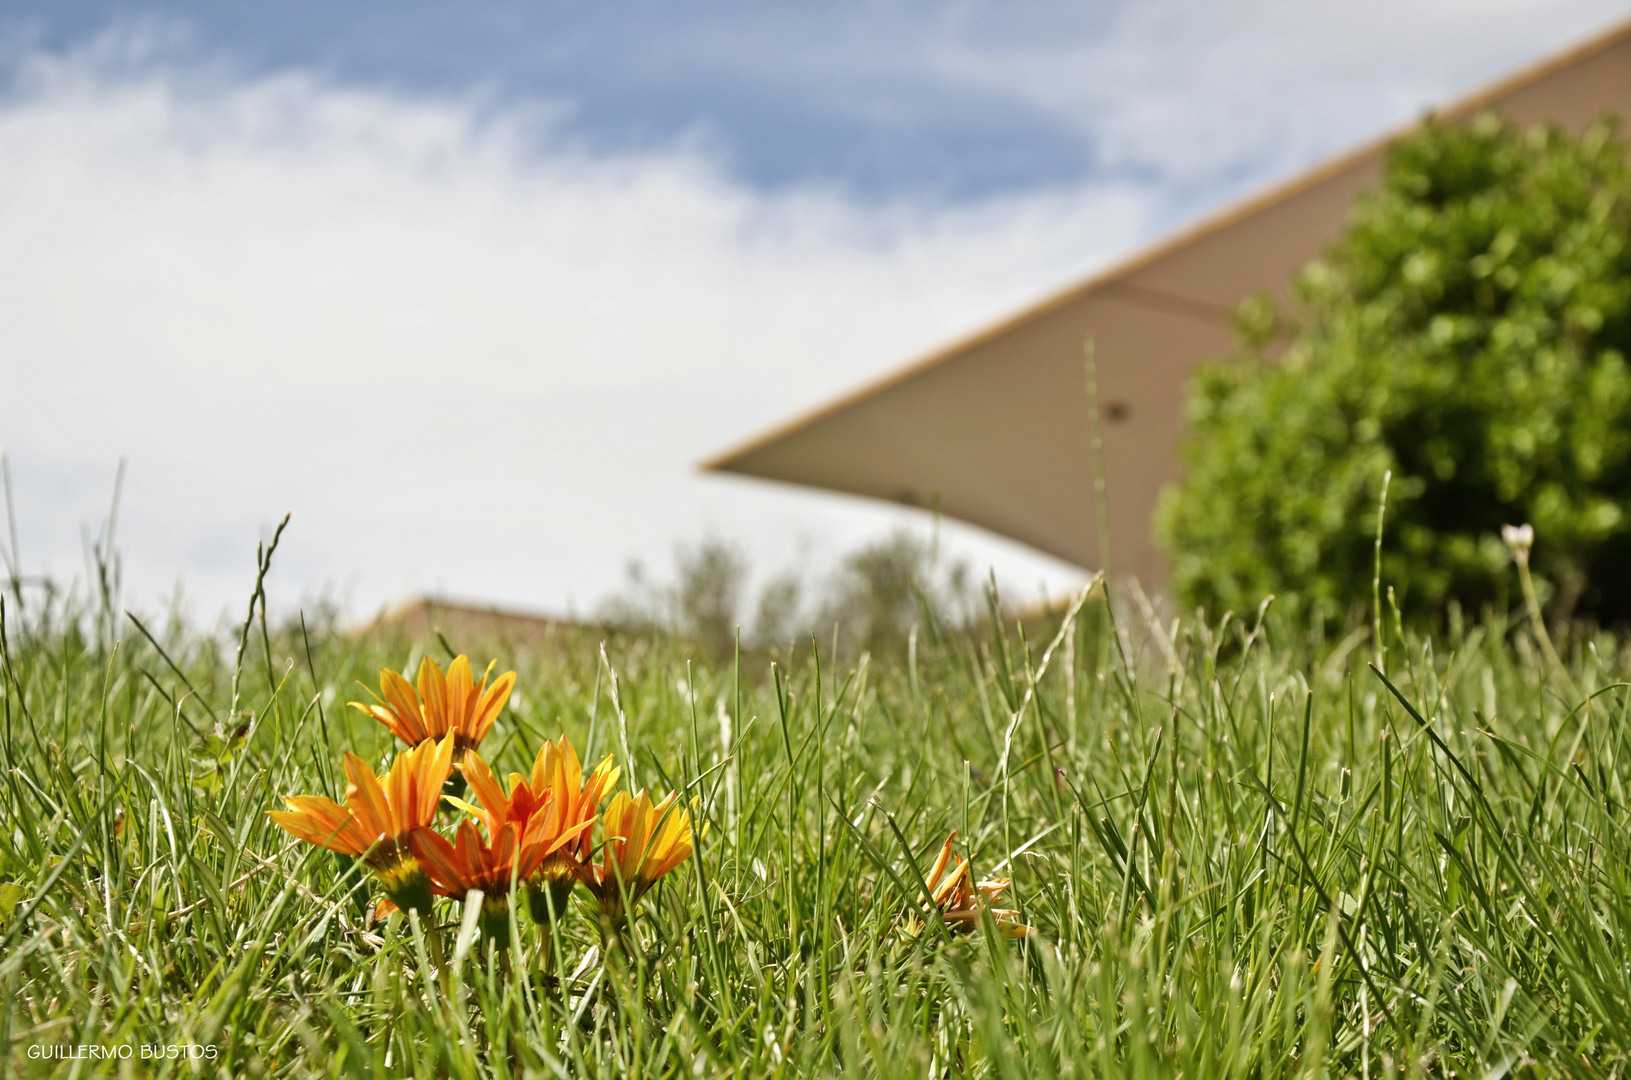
point(712, 578)
point(1470, 333)
point(882, 590)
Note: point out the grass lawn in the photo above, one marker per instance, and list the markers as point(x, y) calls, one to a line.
point(1240, 851)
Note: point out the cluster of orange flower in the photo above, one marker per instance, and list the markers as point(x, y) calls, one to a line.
point(538, 835)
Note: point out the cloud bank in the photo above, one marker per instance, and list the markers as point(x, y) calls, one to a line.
point(1204, 101)
point(463, 365)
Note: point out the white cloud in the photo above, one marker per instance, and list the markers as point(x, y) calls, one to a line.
point(461, 364)
point(1213, 98)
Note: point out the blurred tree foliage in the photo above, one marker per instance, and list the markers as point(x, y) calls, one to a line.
point(701, 604)
point(878, 594)
point(712, 581)
point(1470, 333)
point(869, 602)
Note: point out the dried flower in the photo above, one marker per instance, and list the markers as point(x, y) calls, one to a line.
point(960, 899)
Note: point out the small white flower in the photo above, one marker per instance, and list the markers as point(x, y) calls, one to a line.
point(1519, 539)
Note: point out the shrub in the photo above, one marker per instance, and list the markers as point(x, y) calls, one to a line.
point(1470, 333)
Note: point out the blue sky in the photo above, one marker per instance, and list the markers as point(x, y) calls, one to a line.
point(469, 287)
point(784, 94)
point(878, 100)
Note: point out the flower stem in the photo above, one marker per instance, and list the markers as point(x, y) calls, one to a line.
point(1535, 616)
point(438, 955)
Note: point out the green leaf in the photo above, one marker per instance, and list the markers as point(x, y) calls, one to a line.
point(11, 894)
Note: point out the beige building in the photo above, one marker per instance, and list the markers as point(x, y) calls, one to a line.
point(465, 626)
point(994, 430)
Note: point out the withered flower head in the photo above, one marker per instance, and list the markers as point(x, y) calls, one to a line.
point(959, 898)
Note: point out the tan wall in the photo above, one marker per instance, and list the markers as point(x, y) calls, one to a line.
point(468, 627)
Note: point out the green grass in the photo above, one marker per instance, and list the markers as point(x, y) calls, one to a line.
point(1242, 853)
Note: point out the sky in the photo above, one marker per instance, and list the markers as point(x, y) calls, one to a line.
point(467, 289)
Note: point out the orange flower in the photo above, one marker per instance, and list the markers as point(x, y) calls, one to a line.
point(643, 842)
point(456, 869)
point(557, 771)
point(551, 821)
point(453, 704)
point(959, 898)
point(377, 818)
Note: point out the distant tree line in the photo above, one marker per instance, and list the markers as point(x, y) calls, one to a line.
point(870, 602)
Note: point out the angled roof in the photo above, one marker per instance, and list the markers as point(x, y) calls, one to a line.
point(994, 430)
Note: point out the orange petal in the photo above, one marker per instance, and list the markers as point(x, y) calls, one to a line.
point(486, 788)
point(321, 821)
point(416, 778)
point(940, 863)
point(949, 885)
point(433, 693)
point(440, 861)
point(559, 814)
point(615, 821)
point(467, 843)
point(480, 686)
point(571, 768)
point(671, 846)
point(400, 697)
point(502, 855)
point(366, 799)
point(491, 704)
point(383, 907)
point(567, 836)
point(398, 789)
point(459, 691)
point(541, 764)
point(433, 772)
point(604, 778)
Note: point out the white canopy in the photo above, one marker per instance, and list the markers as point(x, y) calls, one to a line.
point(994, 430)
